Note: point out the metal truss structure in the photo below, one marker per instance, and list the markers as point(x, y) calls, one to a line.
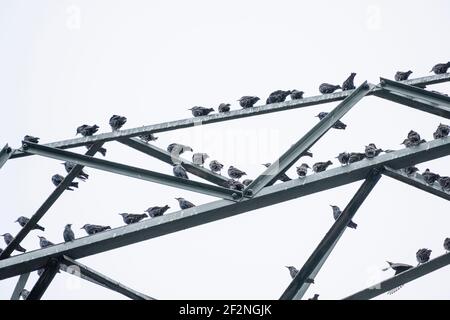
point(260, 193)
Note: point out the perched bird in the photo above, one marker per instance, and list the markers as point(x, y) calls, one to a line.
point(401, 76)
point(413, 136)
point(24, 220)
point(315, 297)
point(356, 156)
point(101, 150)
point(248, 101)
point(423, 255)
point(201, 111)
point(247, 182)
point(336, 214)
point(184, 204)
point(179, 171)
point(282, 177)
point(234, 185)
point(371, 151)
point(224, 107)
point(86, 130)
point(24, 294)
point(57, 179)
point(68, 233)
point(337, 125)
point(328, 88)
point(444, 182)
point(441, 68)
point(116, 122)
point(70, 165)
point(130, 218)
point(410, 170)
point(44, 243)
point(348, 83)
point(199, 158)
point(215, 166)
point(147, 137)
point(430, 177)
point(278, 96)
point(93, 229)
point(398, 268)
point(343, 158)
point(31, 139)
point(157, 211)
point(296, 94)
point(442, 131)
point(178, 149)
point(302, 170)
point(321, 166)
point(447, 244)
point(235, 173)
point(9, 238)
point(292, 271)
point(408, 143)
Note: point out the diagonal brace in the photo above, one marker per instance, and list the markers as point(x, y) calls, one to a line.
point(44, 280)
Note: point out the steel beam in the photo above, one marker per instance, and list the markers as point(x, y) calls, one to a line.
point(20, 286)
point(311, 268)
point(270, 175)
point(47, 205)
point(52, 267)
point(415, 97)
point(165, 156)
point(417, 181)
point(402, 278)
point(86, 272)
point(133, 172)
point(5, 154)
point(221, 209)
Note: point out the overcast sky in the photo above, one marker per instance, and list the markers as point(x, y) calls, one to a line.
point(66, 63)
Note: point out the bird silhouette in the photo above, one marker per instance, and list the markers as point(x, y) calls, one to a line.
point(423, 255)
point(157, 211)
point(116, 122)
point(130, 218)
point(57, 179)
point(296, 94)
point(337, 125)
point(321, 166)
point(235, 173)
point(325, 88)
point(440, 68)
point(86, 130)
point(147, 137)
point(224, 107)
point(215, 166)
point(180, 172)
point(31, 139)
point(44, 243)
point(401, 76)
point(348, 83)
point(93, 228)
point(248, 101)
point(278, 96)
point(68, 233)
point(69, 167)
point(337, 213)
point(24, 220)
point(9, 238)
point(201, 111)
point(184, 204)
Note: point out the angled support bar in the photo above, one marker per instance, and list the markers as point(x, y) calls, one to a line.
point(20, 286)
point(165, 156)
point(5, 154)
point(417, 181)
point(270, 175)
point(311, 268)
point(132, 172)
point(47, 205)
point(414, 97)
point(44, 280)
point(80, 270)
point(402, 278)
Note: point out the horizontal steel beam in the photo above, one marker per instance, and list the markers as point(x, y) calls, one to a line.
point(46, 205)
point(52, 267)
point(5, 154)
point(85, 272)
point(311, 268)
point(133, 172)
point(167, 157)
point(417, 181)
point(20, 285)
point(402, 278)
point(234, 114)
point(221, 209)
point(270, 175)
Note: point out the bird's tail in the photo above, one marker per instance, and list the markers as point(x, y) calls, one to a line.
point(352, 225)
point(102, 151)
point(74, 184)
point(40, 228)
point(19, 248)
point(84, 176)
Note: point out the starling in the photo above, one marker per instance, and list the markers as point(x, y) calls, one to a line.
point(93, 229)
point(423, 255)
point(57, 179)
point(224, 107)
point(302, 170)
point(410, 170)
point(408, 143)
point(441, 68)
point(356, 156)
point(315, 297)
point(68, 233)
point(321, 166)
point(24, 294)
point(429, 176)
point(337, 125)
point(328, 88)
point(215, 166)
point(413, 136)
point(343, 158)
point(9, 238)
point(447, 244)
point(248, 101)
point(282, 177)
point(130, 218)
point(44, 243)
point(184, 204)
point(86, 130)
point(24, 220)
point(336, 214)
point(400, 76)
point(157, 211)
point(292, 271)
point(372, 151)
point(179, 171)
point(101, 150)
point(31, 139)
point(397, 267)
point(178, 149)
point(199, 158)
point(116, 122)
point(442, 131)
point(278, 96)
point(201, 111)
point(348, 83)
point(147, 137)
point(235, 173)
point(444, 182)
point(70, 165)
point(247, 182)
point(234, 185)
point(295, 94)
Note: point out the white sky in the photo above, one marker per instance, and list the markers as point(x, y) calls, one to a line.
point(65, 63)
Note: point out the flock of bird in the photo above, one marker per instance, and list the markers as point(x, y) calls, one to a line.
point(371, 151)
